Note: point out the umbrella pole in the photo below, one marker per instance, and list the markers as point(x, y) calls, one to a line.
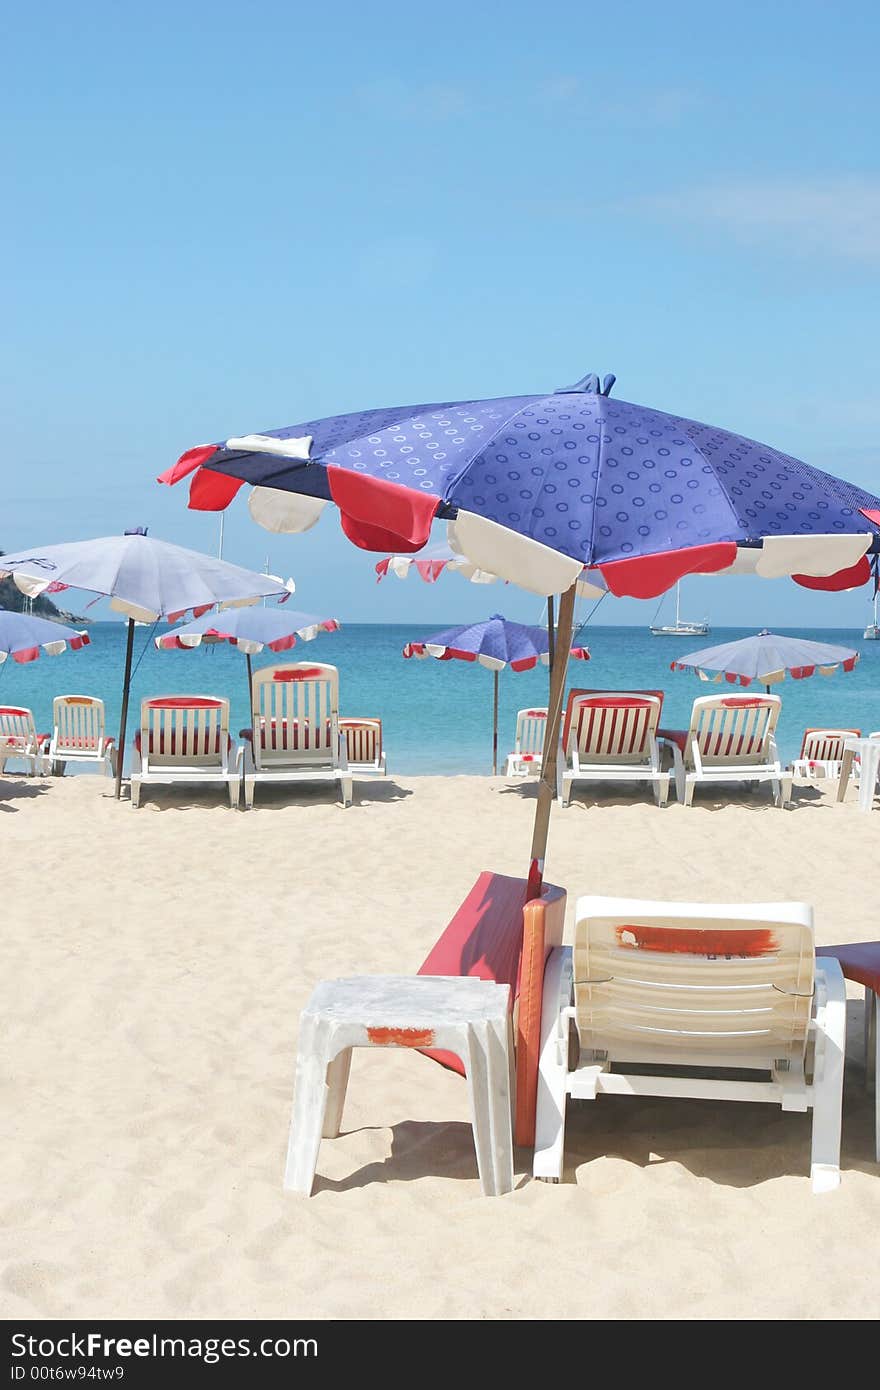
point(123, 718)
point(551, 629)
point(495, 729)
point(547, 784)
point(247, 657)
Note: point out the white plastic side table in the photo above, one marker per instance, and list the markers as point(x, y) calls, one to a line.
point(467, 1016)
point(867, 750)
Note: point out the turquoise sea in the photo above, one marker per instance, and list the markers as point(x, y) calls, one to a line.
point(437, 716)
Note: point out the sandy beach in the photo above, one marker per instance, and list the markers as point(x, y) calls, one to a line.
point(154, 966)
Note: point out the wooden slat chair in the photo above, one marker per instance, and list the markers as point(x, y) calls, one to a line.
point(679, 999)
point(78, 735)
point(19, 739)
point(528, 748)
point(611, 736)
point(297, 736)
point(363, 745)
point(731, 738)
point(184, 739)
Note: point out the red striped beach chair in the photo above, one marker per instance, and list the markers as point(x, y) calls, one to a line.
point(78, 735)
point(184, 739)
point(296, 737)
point(822, 752)
point(731, 738)
point(19, 739)
point(528, 748)
point(611, 736)
point(363, 744)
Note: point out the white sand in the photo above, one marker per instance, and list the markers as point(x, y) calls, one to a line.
point(154, 966)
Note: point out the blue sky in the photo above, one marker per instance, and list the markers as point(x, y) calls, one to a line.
point(222, 219)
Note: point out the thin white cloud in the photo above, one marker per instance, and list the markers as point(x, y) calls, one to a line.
point(838, 215)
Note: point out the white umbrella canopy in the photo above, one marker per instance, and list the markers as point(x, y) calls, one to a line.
point(144, 578)
point(23, 637)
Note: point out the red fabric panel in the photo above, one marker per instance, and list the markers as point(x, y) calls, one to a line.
point(212, 492)
point(382, 568)
point(282, 644)
point(187, 463)
point(484, 939)
point(26, 654)
point(647, 576)
point(377, 515)
point(14, 709)
point(859, 961)
point(743, 701)
point(850, 578)
point(872, 514)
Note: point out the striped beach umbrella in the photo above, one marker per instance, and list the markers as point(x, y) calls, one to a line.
point(250, 630)
point(766, 657)
point(24, 636)
point(535, 488)
point(495, 643)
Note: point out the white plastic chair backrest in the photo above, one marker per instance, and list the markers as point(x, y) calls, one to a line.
point(79, 722)
point(363, 740)
point(296, 714)
point(825, 745)
point(17, 726)
point(734, 729)
point(614, 726)
point(181, 730)
point(693, 981)
point(531, 725)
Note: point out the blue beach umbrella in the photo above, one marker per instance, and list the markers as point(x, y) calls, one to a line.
point(533, 488)
point(766, 658)
point(494, 643)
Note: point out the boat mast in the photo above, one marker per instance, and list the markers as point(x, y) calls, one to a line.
point(677, 603)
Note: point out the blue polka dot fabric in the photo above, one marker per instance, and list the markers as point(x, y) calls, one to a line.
point(596, 478)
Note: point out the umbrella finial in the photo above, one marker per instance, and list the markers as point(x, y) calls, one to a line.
point(608, 383)
point(136, 531)
point(588, 384)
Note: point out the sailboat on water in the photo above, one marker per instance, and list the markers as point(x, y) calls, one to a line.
point(872, 631)
point(682, 627)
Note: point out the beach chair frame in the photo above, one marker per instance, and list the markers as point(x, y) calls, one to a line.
point(730, 738)
point(296, 735)
point(19, 739)
point(363, 744)
point(78, 734)
point(184, 739)
point(528, 747)
point(822, 753)
point(611, 736)
point(690, 988)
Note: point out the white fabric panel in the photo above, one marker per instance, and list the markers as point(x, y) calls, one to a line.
point(745, 563)
point(298, 449)
point(813, 555)
point(524, 562)
point(284, 512)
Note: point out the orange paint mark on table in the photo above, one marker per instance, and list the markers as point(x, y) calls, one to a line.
point(401, 1037)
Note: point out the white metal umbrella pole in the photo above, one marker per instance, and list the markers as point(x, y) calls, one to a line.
point(547, 784)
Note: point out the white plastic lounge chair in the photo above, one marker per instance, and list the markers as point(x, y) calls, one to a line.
point(731, 738)
point(296, 737)
point(528, 748)
point(184, 739)
point(19, 739)
point(611, 736)
point(821, 753)
point(78, 735)
point(363, 743)
point(686, 987)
